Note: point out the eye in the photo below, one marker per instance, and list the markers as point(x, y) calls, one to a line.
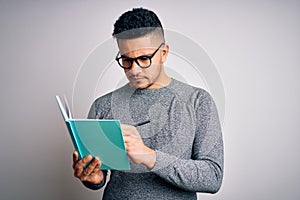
point(126, 62)
point(126, 59)
point(143, 58)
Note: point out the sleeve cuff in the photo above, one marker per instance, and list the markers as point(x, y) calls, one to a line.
point(162, 160)
point(96, 186)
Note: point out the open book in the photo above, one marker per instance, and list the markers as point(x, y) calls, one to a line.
point(101, 138)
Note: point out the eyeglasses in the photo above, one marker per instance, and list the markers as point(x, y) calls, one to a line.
point(143, 61)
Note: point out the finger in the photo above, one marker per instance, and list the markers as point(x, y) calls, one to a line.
point(79, 166)
point(125, 126)
point(126, 139)
point(130, 127)
point(131, 130)
point(91, 167)
point(98, 164)
point(86, 159)
point(81, 163)
point(127, 147)
point(126, 133)
point(97, 168)
point(75, 158)
point(130, 136)
point(94, 165)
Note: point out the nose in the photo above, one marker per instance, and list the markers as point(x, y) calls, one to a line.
point(135, 69)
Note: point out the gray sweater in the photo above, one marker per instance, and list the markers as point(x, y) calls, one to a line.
point(184, 131)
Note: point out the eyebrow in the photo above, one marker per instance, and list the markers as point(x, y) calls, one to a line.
point(146, 55)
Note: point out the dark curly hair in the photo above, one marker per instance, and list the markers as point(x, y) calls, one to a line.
point(136, 23)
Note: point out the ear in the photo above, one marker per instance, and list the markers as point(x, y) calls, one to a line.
point(164, 53)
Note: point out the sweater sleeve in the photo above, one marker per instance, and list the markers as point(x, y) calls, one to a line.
point(204, 171)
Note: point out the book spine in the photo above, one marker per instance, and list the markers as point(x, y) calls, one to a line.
point(72, 132)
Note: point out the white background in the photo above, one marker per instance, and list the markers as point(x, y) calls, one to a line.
point(254, 45)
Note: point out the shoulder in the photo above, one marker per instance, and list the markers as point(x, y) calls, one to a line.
point(102, 100)
point(102, 105)
point(190, 93)
point(105, 100)
point(200, 100)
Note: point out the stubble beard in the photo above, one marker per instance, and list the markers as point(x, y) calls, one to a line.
point(141, 85)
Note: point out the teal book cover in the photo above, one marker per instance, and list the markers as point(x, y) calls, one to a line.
point(96, 137)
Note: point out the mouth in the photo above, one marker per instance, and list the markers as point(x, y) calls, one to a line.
point(136, 78)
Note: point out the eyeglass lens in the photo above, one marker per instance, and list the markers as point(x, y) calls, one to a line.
point(141, 61)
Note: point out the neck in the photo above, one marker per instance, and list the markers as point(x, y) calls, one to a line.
point(163, 82)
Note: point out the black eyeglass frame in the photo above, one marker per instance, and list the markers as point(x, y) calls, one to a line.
point(118, 59)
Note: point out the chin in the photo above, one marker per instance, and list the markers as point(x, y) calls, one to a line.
point(139, 85)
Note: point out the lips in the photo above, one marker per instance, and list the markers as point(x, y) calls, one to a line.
point(137, 78)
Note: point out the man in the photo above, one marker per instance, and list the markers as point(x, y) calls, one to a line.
point(180, 152)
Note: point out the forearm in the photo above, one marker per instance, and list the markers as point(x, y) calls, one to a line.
point(204, 175)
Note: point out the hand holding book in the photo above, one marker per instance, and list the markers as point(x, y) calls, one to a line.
point(91, 173)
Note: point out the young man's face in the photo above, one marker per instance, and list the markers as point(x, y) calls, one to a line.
point(145, 78)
